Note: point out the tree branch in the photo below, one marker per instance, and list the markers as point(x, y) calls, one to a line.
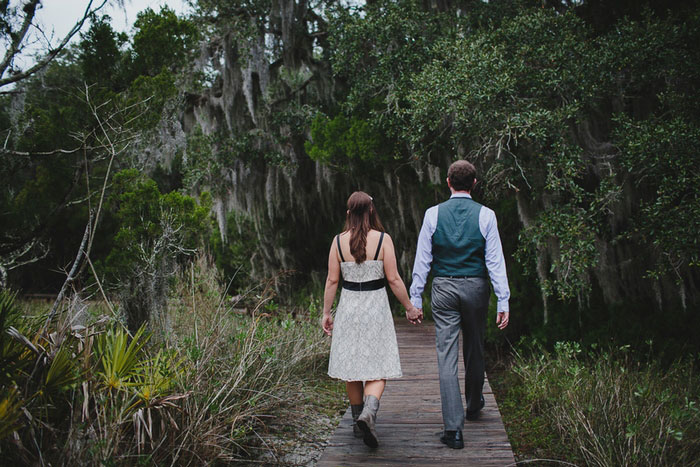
point(294, 92)
point(52, 53)
point(30, 10)
point(10, 152)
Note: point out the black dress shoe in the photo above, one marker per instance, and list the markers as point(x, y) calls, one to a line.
point(474, 414)
point(453, 439)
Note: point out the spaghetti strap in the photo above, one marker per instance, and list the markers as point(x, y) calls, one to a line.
point(379, 246)
point(337, 238)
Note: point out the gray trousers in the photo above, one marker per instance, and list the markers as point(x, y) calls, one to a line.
point(460, 303)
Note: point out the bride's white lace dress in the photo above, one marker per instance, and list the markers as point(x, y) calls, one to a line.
point(363, 346)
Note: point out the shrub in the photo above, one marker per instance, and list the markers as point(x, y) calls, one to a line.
point(612, 409)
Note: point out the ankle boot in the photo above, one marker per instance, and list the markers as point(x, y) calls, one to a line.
point(366, 421)
point(356, 411)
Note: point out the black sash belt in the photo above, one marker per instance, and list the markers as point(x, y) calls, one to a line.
point(364, 286)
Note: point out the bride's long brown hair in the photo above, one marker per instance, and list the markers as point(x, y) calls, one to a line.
point(362, 216)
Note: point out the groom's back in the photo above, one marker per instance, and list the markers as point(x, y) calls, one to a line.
point(458, 244)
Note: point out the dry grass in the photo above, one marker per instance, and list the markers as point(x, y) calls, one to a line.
point(205, 389)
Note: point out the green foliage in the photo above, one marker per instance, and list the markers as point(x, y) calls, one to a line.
point(532, 98)
point(151, 223)
point(62, 374)
point(162, 41)
point(155, 92)
point(337, 140)
point(378, 48)
point(661, 153)
point(517, 83)
point(53, 114)
point(41, 186)
point(154, 232)
point(101, 58)
point(155, 378)
point(13, 360)
point(118, 382)
point(13, 356)
point(10, 411)
point(571, 228)
point(273, 365)
point(608, 407)
point(209, 154)
point(515, 92)
point(119, 356)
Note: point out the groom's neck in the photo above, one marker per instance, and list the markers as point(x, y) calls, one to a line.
point(460, 191)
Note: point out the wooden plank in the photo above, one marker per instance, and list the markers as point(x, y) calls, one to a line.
point(409, 423)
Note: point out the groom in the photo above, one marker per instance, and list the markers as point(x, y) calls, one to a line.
point(459, 243)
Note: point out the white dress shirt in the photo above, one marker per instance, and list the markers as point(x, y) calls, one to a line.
point(495, 262)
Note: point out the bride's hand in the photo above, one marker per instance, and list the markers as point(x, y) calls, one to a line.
point(327, 324)
point(414, 315)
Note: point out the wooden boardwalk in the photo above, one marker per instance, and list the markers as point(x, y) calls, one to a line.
point(409, 422)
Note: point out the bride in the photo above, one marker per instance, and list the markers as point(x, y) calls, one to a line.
point(364, 352)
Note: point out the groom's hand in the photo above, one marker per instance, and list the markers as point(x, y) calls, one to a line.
point(414, 315)
point(502, 320)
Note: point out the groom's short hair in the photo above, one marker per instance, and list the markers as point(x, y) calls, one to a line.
point(462, 174)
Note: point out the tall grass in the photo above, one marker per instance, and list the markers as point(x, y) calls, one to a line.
point(201, 391)
point(243, 370)
point(609, 408)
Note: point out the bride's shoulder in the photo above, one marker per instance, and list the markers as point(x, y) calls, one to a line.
point(377, 233)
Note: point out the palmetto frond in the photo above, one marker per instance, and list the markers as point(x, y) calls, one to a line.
point(119, 359)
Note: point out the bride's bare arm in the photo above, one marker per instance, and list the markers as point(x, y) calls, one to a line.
point(394, 279)
point(331, 288)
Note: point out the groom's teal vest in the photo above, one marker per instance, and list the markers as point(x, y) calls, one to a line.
point(458, 245)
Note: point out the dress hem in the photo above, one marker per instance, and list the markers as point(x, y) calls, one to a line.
point(371, 378)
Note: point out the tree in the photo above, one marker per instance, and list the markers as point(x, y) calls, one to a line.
point(572, 123)
point(162, 41)
point(23, 243)
point(155, 231)
point(53, 145)
point(101, 58)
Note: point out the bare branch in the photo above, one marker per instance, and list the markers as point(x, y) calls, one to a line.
point(30, 10)
point(10, 152)
point(52, 53)
point(14, 259)
point(294, 92)
point(90, 228)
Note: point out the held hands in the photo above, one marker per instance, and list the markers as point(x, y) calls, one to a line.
point(327, 323)
point(414, 315)
point(502, 320)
